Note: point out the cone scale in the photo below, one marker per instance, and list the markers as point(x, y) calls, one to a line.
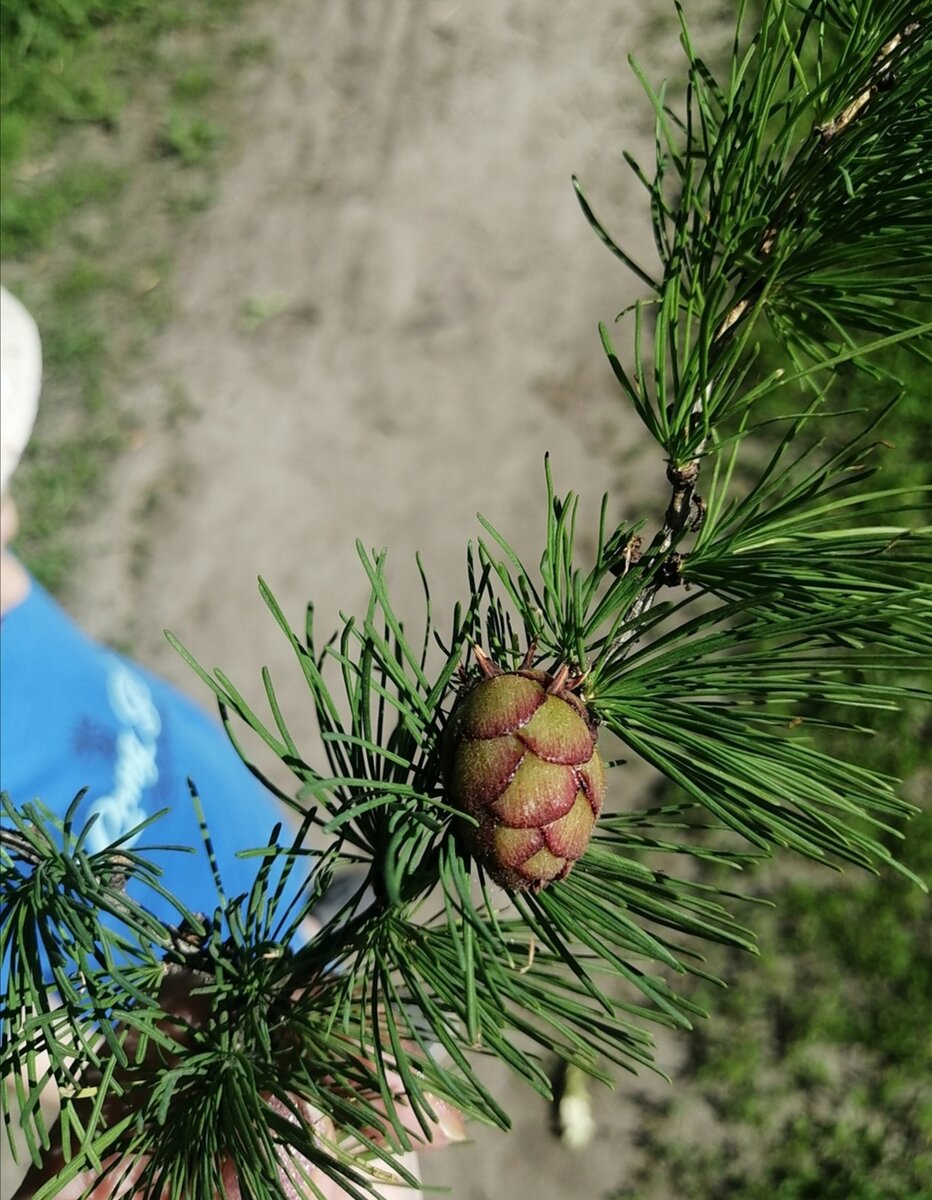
point(521, 759)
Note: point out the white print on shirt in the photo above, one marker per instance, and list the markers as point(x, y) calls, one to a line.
point(135, 768)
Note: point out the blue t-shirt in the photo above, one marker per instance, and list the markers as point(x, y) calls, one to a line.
point(74, 714)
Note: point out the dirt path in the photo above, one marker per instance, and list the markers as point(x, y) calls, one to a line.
point(401, 201)
point(382, 325)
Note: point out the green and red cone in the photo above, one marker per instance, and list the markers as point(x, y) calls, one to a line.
point(521, 759)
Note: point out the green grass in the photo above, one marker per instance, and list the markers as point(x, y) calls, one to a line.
point(31, 216)
point(192, 138)
point(813, 1073)
point(100, 99)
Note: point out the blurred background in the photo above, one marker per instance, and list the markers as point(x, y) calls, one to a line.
point(312, 270)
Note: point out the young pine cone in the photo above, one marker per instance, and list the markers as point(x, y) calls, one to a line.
point(522, 760)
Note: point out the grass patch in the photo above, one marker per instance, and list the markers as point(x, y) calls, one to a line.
point(84, 64)
point(192, 138)
point(813, 1075)
point(111, 123)
point(31, 216)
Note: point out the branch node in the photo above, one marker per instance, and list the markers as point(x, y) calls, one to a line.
point(670, 573)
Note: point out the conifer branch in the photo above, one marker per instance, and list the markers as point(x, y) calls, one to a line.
point(504, 897)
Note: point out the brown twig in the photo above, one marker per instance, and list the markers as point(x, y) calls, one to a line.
point(20, 846)
point(832, 129)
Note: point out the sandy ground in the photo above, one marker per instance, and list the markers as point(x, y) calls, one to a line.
point(385, 321)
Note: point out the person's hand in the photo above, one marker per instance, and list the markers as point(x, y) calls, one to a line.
point(121, 1184)
point(122, 1181)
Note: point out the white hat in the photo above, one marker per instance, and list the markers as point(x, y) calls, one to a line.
point(20, 381)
